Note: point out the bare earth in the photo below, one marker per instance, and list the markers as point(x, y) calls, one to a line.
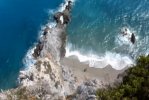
point(83, 72)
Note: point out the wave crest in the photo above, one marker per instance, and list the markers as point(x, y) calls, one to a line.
point(115, 60)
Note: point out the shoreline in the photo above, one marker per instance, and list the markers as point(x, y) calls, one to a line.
point(116, 60)
point(82, 70)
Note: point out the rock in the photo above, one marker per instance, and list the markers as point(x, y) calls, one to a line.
point(57, 84)
point(63, 17)
point(133, 39)
point(22, 77)
point(3, 97)
point(46, 30)
point(31, 77)
point(87, 91)
point(85, 70)
point(66, 16)
point(69, 6)
point(57, 17)
point(63, 37)
point(38, 49)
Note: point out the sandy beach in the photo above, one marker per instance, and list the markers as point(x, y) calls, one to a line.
point(83, 72)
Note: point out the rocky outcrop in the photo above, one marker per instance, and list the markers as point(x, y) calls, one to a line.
point(54, 46)
point(53, 41)
point(85, 91)
point(63, 17)
point(43, 82)
point(57, 17)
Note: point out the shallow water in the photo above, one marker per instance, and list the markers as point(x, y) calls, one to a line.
point(20, 22)
point(93, 34)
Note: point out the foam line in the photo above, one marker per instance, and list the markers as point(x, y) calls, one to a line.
point(117, 61)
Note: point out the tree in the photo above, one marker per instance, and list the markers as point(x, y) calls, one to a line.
point(134, 86)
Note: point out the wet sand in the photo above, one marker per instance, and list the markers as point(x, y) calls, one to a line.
point(83, 72)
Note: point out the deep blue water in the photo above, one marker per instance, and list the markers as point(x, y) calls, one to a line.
point(20, 21)
point(96, 24)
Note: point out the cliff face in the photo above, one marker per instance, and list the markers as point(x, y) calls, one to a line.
point(41, 81)
point(47, 79)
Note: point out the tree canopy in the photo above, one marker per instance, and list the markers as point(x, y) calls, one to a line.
point(134, 85)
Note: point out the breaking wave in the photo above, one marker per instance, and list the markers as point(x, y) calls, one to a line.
point(122, 55)
point(115, 60)
point(94, 33)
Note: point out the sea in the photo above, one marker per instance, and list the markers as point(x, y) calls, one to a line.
point(20, 23)
point(94, 33)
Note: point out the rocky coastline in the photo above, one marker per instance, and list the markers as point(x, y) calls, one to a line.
point(48, 79)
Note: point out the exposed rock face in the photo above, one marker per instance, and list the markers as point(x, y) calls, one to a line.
point(43, 82)
point(65, 15)
point(44, 79)
point(54, 46)
point(53, 41)
point(87, 91)
point(62, 17)
point(57, 17)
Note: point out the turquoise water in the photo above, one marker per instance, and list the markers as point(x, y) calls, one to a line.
point(20, 22)
point(93, 34)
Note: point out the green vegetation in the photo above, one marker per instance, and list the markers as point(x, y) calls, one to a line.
point(134, 86)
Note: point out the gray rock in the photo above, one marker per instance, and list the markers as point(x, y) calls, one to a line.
point(87, 91)
point(57, 17)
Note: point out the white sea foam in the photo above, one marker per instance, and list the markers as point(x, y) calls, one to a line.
point(29, 59)
point(50, 25)
point(125, 40)
point(117, 61)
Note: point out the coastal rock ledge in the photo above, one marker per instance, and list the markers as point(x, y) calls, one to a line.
point(48, 79)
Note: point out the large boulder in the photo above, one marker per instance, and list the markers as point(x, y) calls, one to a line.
point(38, 49)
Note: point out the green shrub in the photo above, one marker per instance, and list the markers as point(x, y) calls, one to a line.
point(135, 85)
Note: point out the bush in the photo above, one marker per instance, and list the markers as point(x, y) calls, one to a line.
point(135, 85)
